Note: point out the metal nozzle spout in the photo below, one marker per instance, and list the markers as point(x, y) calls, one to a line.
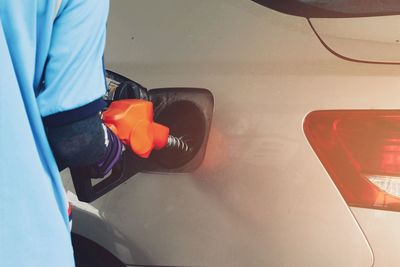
point(177, 143)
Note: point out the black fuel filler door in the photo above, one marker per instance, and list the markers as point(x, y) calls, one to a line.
point(187, 112)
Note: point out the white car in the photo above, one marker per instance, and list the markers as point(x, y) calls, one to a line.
point(297, 159)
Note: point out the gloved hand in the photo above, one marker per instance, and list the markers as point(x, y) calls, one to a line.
point(84, 143)
point(113, 151)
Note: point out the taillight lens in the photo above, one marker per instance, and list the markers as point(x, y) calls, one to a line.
point(361, 152)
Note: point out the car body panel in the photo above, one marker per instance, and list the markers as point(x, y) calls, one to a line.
point(261, 196)
point(372, 39)
point(382, 229)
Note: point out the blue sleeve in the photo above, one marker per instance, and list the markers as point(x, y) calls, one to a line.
point(34, 221)
point(74, 72)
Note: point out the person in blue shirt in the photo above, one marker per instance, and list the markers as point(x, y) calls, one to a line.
point(51, 87)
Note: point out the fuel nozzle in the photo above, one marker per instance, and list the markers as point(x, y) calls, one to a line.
point(132, 121)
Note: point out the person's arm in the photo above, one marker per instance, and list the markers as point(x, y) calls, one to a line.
point(74, 84)
point(74, 81)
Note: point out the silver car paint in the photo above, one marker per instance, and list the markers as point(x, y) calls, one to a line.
point(261, 197)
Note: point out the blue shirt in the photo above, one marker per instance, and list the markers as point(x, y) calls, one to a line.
point(50, 62)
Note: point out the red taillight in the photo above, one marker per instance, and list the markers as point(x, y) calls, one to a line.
point(361, 152)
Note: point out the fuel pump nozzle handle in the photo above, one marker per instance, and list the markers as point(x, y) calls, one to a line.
point(132, 121)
